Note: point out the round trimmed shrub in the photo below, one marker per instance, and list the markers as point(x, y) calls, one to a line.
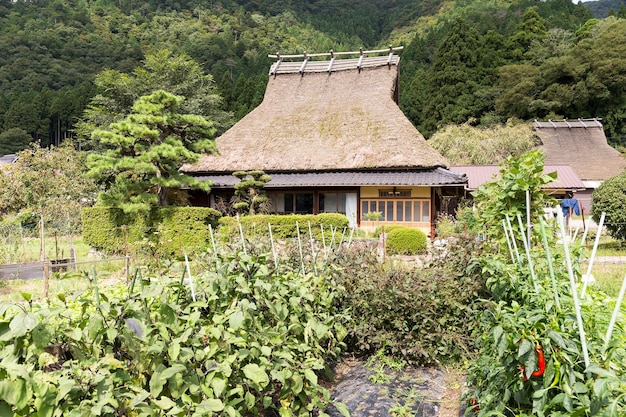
point(405, 241)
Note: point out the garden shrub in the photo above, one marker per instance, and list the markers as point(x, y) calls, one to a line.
point(420, 315)
point(169, 229)
point(405, 241)
point(185, 229)
point(610, 198)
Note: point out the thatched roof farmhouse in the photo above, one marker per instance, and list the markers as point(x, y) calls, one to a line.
point(582, 145)
point(331, 131)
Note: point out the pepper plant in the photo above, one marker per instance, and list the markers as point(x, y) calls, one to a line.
point(531, 360)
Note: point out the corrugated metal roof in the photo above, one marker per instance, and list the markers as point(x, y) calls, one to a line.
point(437, 176)
point(480, 174)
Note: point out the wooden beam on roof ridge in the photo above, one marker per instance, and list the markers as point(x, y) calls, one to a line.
point(360, 52)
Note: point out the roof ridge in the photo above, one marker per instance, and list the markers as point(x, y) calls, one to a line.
point(363, 60)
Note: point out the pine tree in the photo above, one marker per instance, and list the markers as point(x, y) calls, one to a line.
point(146, 151)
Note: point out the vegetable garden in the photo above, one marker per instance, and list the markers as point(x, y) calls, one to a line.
point(257, 327)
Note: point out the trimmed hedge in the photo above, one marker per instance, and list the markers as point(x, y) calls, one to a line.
point(406, 241)
point(179, 228)
point(283, 225)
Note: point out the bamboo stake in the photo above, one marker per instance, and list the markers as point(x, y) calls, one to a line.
point(243, 240)
point(527, 249)
point(618, 304)
point(193, 293)
point(343, 234)
point(587, 277)
point(575, 233)
point(350, 238)
point(508, 222)
point(269, 226)
point(508, 240)
point(572, 281)
point(529, 226)
point(300, 248)
point(324, 243)
point(217, 263)
point(550, 266)
point(313, 255)
point(332, 239)
point(583, 240)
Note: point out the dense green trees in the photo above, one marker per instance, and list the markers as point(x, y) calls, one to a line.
point(161, 70)
point(469, 145)
point(478, 62)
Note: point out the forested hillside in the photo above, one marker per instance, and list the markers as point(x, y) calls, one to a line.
point(465, 60)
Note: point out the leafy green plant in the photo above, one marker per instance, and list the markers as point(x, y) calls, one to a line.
point(406, 241)
point(507, 195)
point(415, 315)
point(533, 360)
point(445, 226)
point(245, 341)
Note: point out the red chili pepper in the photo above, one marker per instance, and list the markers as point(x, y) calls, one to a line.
point(475, 404)
point(541, 361)
point(541, 364)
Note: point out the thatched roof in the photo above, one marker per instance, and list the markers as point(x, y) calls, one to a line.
point(582, 145)
point(313, 120)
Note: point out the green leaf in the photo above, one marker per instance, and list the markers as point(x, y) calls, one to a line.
point(342, 408)
point(218, 385)
point(172, 370)
point(557, 338)
point(256, 374)
point(22, 323)
point(64, 388)
point(139, 398)
point(596, 369)
point(165, 403)
point(235, 321)
point(5, 409)
point(297, 385)
point(524, 347)
point(5, 332)
point(8, 391)
point(45, 409)
point(310, 376)
point(156, 384)
point(212, 405)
